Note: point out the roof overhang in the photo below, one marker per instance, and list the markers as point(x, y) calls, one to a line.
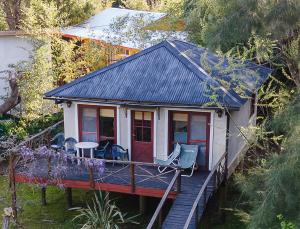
point(59, 100)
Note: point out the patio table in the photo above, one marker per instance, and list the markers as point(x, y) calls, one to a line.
point(86, 145)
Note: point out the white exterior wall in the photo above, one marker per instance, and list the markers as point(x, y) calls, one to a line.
point(219, 137)
point(239, 120)
point(217, 129)
point(13, 50)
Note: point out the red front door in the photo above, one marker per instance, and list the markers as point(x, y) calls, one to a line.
point(142, 136)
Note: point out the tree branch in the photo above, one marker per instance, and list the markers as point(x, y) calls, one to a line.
point(14, 98)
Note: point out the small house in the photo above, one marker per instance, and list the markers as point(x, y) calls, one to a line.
point(173, 92)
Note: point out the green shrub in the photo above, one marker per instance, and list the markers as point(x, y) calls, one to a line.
point(102, 214)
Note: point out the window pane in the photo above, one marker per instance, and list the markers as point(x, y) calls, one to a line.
point(107, 126)
point(180, 117)
point(107, 113)
point(147, 116)
point(89, 120)
point(147, 123)
point(180, 131)
point(89, 137)
point(198, 127)
point(138, 134)
point(147, 135)
point(138, 115)
point(138, 122)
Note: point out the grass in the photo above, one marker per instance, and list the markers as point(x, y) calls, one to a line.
point(55, 214)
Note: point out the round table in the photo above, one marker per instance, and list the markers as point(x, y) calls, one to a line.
point(86, 145)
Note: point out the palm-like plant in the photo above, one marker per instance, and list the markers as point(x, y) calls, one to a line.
point(103, 214)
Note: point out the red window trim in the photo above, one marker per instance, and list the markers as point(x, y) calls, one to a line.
point(189, 113)
point(81, 106)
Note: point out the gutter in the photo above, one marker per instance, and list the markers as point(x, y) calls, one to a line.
point(133, 104)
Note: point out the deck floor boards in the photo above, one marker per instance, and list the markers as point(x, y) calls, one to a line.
point(183, 203)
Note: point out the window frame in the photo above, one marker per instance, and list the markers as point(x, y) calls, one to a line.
point(189, 141)
point(98, 134)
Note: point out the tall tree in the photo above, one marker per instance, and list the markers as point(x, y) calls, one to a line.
point(38, 18)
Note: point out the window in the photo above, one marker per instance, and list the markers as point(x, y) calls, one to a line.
point(97, 124)
point(107, 125)
point(252, 104)
point(191, 128)
point(89, 124)
point(142, 126)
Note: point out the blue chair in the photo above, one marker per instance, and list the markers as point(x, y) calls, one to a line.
point(187, 158)
point(70, 146)
point(101, 153)
point(172, 159)
point(57, 142)
point(119, 153)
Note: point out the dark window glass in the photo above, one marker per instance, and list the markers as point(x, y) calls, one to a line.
point(147, 134)
point(107, 124)
point(139, 134)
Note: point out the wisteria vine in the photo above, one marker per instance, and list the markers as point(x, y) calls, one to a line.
point(54, 165)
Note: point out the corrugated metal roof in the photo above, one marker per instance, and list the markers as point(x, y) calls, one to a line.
point(102, 27)
point(162, 74)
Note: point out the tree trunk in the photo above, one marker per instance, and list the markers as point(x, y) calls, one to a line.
point(12, 11)
point(14, 97)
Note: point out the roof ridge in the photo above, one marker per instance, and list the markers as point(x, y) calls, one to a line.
point(106, 68)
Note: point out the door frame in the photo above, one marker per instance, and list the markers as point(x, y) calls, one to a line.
point(208, 131)
point(131, 131)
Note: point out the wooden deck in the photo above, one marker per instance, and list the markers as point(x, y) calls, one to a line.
point(144, 180)
point(183, 203)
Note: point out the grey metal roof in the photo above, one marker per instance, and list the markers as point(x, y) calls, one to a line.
point(167, 73)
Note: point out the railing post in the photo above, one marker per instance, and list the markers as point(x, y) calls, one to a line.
point(178, 188)
point(12, 184)
point(226, 166)
point(132, 177)
point(91, 176)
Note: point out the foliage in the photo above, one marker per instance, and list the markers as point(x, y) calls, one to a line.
point(225, 24)
point(273, 188)
point(102, 214)
point(3, 24)
point(54, 61)
point(21, 128)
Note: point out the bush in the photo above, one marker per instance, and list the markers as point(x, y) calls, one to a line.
point(102, 214)
point(22, 128)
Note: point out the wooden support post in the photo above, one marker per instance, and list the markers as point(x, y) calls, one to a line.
point(12, 184)
point(142, 203)
point(132, 178)
point(91, 178)
point(68, 192)
point(43, 196)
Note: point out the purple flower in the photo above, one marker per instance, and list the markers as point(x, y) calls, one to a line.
point(61, 186)
point(26, 153)
point(45, 152)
